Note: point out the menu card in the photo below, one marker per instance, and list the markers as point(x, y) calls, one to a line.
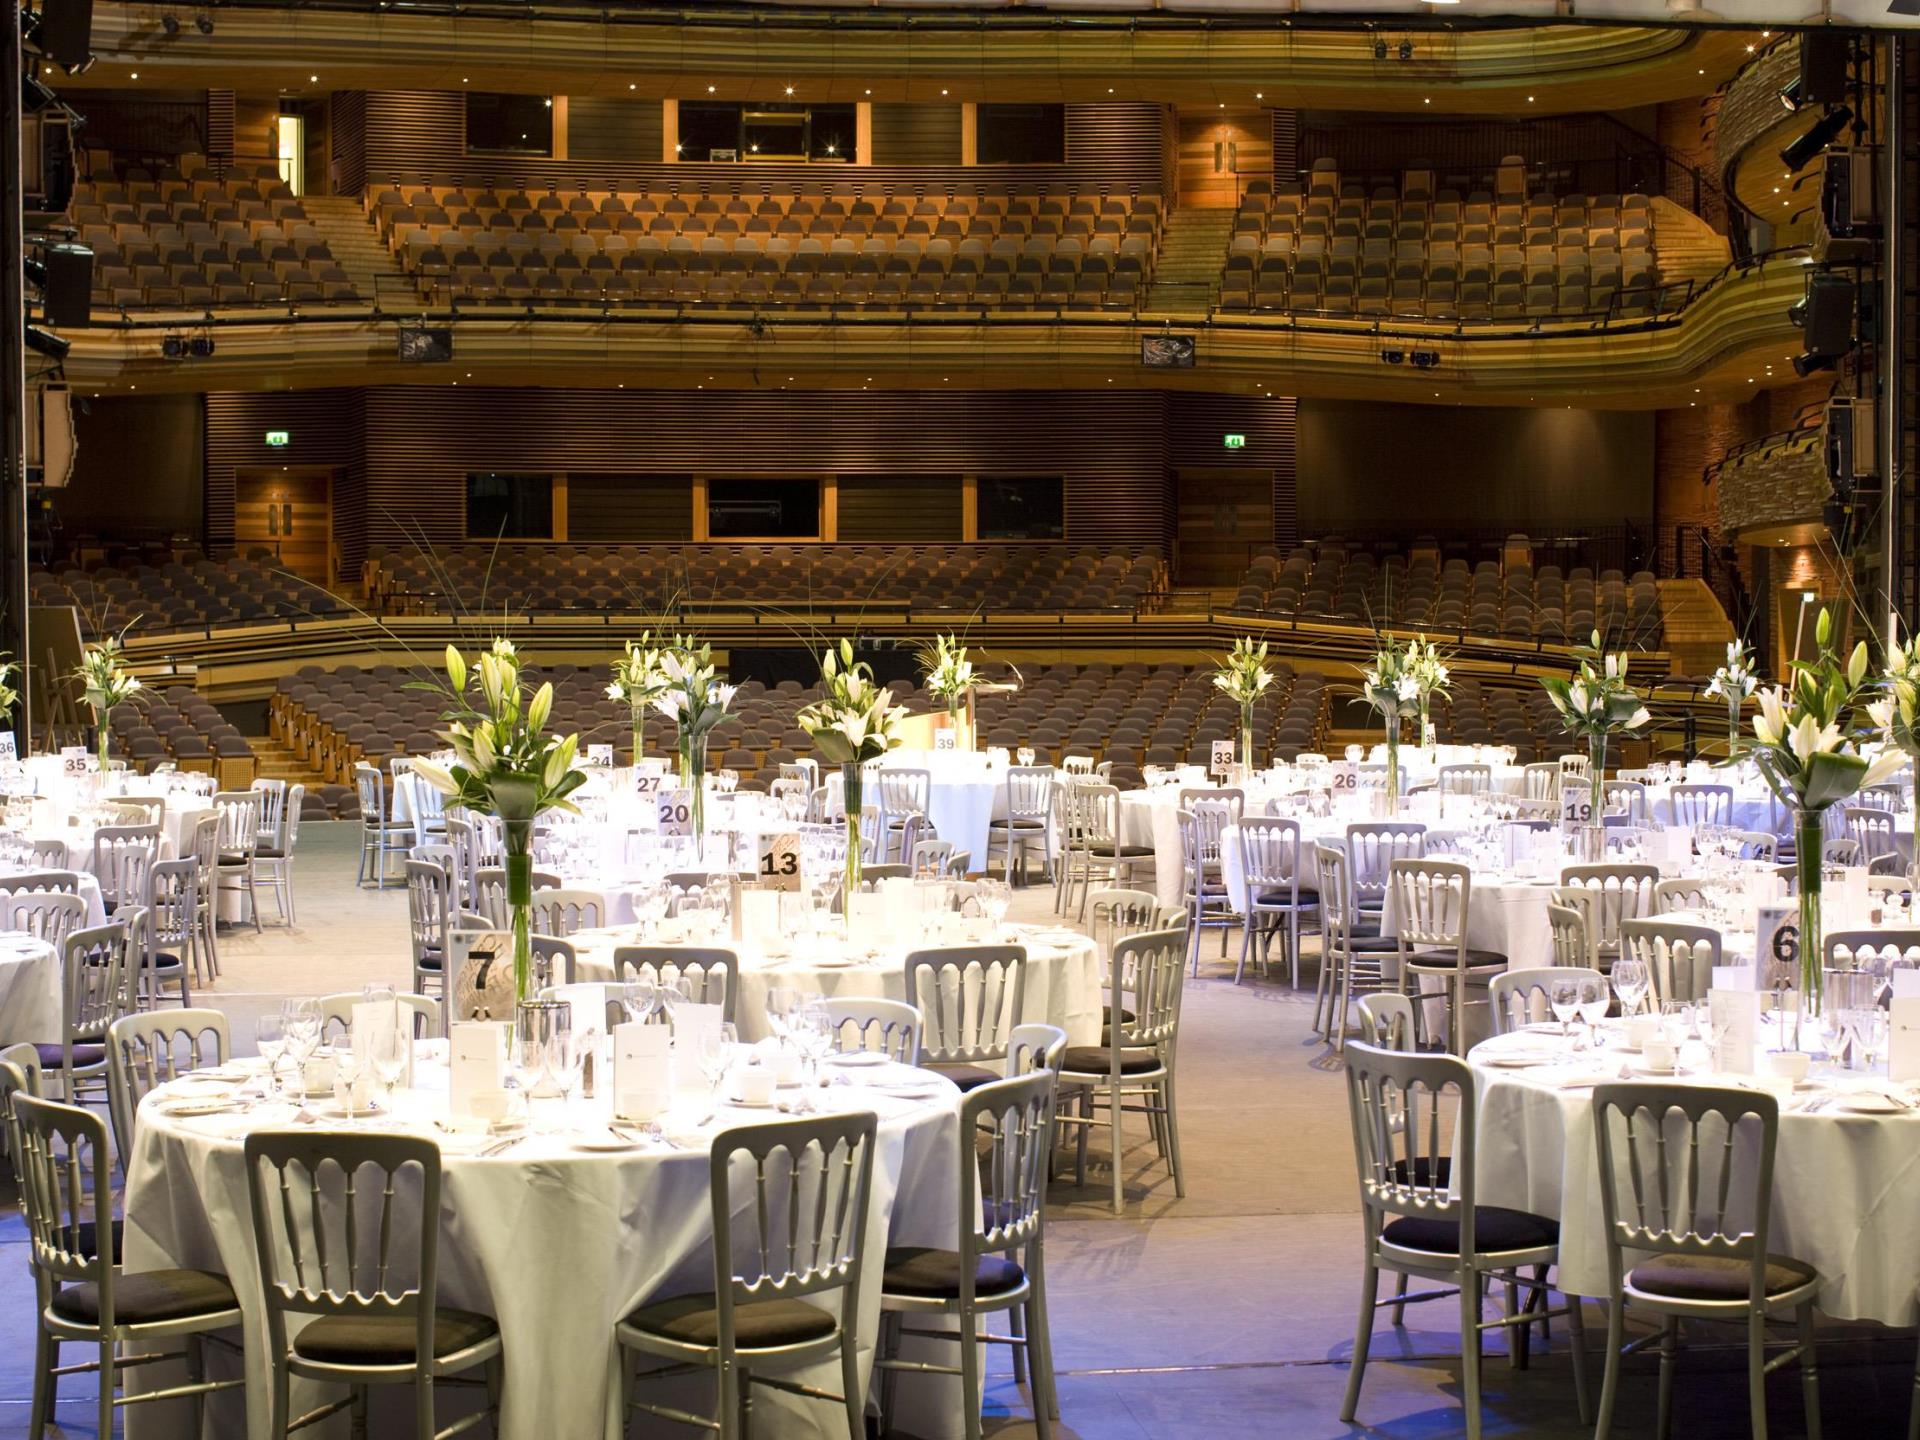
point(760, 916)
point(1903, 1026)
point(1673, 845)
point(476, 1062)
point(689, 1023)
point(1734, 1001)
point(866, 914)
point(373, 1018)
point(588, 1002)
point(642, 1070)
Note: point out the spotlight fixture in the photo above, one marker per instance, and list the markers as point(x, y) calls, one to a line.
point(43, 342)
point(204, 24)
point(1393, 357)
point(62, 31)
point(1424, 359)
point(1406, 49)
point(174, 347)
point(1790, 95)
point(170, 24)
point(1379, 49)
point(34, 96)
point(1818, 137)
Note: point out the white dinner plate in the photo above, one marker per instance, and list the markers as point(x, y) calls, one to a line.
point(1520, 1059)
point(1869, 1104)
point(608, 1144)
point(751, 1104)
point(837, 962)
point(858, 1058)
point(211, 1105)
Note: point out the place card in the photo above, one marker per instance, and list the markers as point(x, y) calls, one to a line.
point(642, 1070)
point(759, 914)
point(1903, 1025)
point(1220, 759)
point(588, 1001)
point(600, 755)
point(1776, 945)
point(1735, 1003)
point(690, 1023)
point(1673, 845)
point(866, 914)
point(476, 1063)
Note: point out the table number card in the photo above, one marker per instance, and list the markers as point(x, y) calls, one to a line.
point(648, 775)
point(1220, 759)
point(1776, 945)
point(73, 759)
point(1576, 808)
point(1903, 1026)
point(675, 811)
point(9, 746)
point(946, 739)
point(600, 755)
point(1343, 777)
point(778, 864)
point(476, 1060)
point(642, 1070)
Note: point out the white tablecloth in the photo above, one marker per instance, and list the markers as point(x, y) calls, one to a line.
point(1063, 981)
point(30, 1002)
point(1846, 1193)
point(89, 889)
point(556, 1245)
point(1507, 916)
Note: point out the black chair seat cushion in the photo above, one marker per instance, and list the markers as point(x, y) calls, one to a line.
point(1444, 960)
point(967, 1077)
point(935, 1274)
point(1098, 1060)
point(165, 962)
point(429, 961)
point(1124, 852)
point(1494, 1229)
point(1003, 823)
point(1285, 897)
point(388, 1339)
point(149, 1296)
point(758, 1325)
point(52, 1056)
point(1714, 1277)
point(270, 852)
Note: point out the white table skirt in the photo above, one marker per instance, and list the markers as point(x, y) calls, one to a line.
point(89, 890)
point(31, 1011)
point(1846, 1191)
point(1063, 982)
point(556, 1245)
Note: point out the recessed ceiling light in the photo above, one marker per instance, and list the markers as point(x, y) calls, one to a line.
point(943, 92)
point(313, 79)
point(710, 89)
point(869, 92)
point(134, 76)
point(1529, 99)
point(789, 90)
point(632, 86)
point(1426, 102)
point(1109, 89)
point(1259, 94)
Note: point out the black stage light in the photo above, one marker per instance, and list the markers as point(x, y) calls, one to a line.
point(66, 33)
point(1406, 49)
point(35, 97)
point(174, 347)
point(204, 24)
point(43, 342)
point(1825, 56)
point(170, 24)
point(1790, 94)
point(1818, 137)
point(200, 347)
point(1393, 357)
point(1379, 49)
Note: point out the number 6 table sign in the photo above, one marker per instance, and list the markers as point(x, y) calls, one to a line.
point(779, 863)
point(676, 812)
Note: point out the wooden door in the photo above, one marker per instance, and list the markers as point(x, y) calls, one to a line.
point(288, 511)
point(1220, 151)
point(1224, 515)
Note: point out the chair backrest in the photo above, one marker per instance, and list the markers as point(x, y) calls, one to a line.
point(1686, 1169)
point(1465, 779)
point(273, 811)
point(1679, 894)
point(20, 1075)
point(66, 1192)
point(1629, 798)
point(891, 1027)
point(1372, 847)
point(1404, 1108)
point(464, 840)
point(206, 848)
point(51, 915)
point(1231, 798)
point(1029, 792)
point(1620, 892)
point(1090, 812)
point(239, 812)
point(144, 1051)
point(1694, 805)
point(1520, 997)
point(560, 912)
point(713, 975)
point(1679, 957)
point(1568, 928)
point(1270, 856)
point(65, 882)
point(1117, 913)
point(1033, 1046)
point(1007, 1186)
point(1386, 1020)
point(1876, 950)
point(969, 998)
point(1148, 981)
point(429, 905)
point(122, 855)
point(96, 982)
point(336, 1012)
point(931, 858)
point(331, 1238)
point(1333, 876)
point(1541, 781)
point(1430, 902)
point(173, 901)
point(903, 792)
point(371, 788)
point(1874, 830)
point(489, 895)
point(800, 1227)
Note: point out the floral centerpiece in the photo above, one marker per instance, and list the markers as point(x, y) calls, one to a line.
point(1243, 679)
point(1734, 682)
point(1430, 673)
point(639, 677)
point(854, 721)
point(1807, 760)
point(696, 700)
point(1595, 704)
point(949, 675)
point(506, 765)
point(106, 682)
point(9, 695)
point(1393, 690)
point(1897, 714)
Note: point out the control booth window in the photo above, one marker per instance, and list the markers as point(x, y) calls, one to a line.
point(509, 124)
point(725, 131)
point(763, 509)
point(509, 507)
point(1022, 134)
point(1022, 507)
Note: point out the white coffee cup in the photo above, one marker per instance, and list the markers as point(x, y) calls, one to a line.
point(1658, 1055)
point(643, 1103)
point(1641, 1029)
point(1786, 1064)
point(753, 1085)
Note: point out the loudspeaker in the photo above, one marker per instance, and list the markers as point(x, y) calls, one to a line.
point(1850, 442)
point(50, 439)
point(66, 32)
point(1823, 66)
point(68, 299)
point(1827, 316)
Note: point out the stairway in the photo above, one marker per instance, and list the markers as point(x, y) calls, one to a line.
point(1697, 628)
point(356, 247)
point(1193, 252)
point(274, 761)
point(1685, 247)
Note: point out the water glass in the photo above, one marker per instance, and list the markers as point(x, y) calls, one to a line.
point(1564, 997)
point(1629, 983)
point(640, 997)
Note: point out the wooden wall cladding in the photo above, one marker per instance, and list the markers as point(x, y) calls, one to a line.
point(404, 452)
point(613, 129)
point(884, 508)
point(348, 137)
point(419, 137)
point(1197, 427)
point(916, 135)
point(630, 508)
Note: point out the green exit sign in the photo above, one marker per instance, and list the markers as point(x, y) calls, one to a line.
point(1234, 442)
point(277, 439)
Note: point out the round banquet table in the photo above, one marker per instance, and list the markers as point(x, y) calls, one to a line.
point(556, 1244)
point(30, 1001)
point(1846, 1188)
point(1063, 983)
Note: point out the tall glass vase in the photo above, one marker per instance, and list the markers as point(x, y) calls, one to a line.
point(1393, 766)
point(638, 718)
point(953, 719)
point(519, 843)
point(1246, 741)
point(102, 735)
point(851, 800)
point(1809, 836)
point(693, 779)
point(1733, 726)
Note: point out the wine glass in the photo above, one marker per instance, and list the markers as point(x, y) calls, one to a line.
point(713, 1053)
point(526, 1064)
point(1629, 983)
point(813, 1031)
point(1677, 1019)
point(349, 1066)
point(564, 1057)
point(1593, 1005)
point(782, 1000)
point(1564, 998)
point(269, 1040)
point(640, 997)
point(387, 1053)
point(300, 1023)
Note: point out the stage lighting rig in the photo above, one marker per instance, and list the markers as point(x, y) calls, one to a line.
point(1817, 137)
